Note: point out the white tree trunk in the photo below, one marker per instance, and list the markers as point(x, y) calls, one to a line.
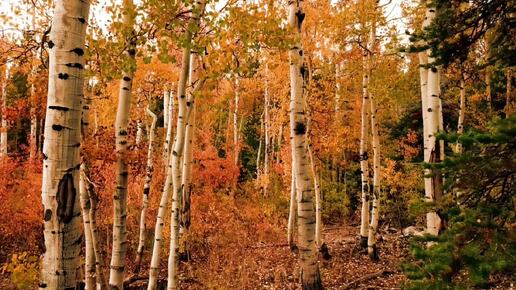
point(236, 133)
point(89, 260)
point(337, 87)
point(374, 190)
point(364, 155)
point(117, 266)
point(259, 154)
point(170, 127)
point(292, 210)
point(60, 185)
point(317, 187)
point(462, 111)
point(166, 101)
point(267, 125)
point(434, 192)
point(3, 114)
point(146, 190)
point(139, 132)
point(100, 264)
point(310, 275)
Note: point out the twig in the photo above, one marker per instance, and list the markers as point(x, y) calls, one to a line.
point(352, 284)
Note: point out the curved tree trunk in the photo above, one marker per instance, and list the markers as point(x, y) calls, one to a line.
point(146, 191)
point(117, 266)
point(310, 276)
point(62, 231)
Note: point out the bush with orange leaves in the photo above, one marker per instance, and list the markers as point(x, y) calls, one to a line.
point(21, 218)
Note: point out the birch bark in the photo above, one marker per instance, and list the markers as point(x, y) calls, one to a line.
point(62, 233)
point(309, 276)
point(117, 266)
point(146, 190)
point(3, 128)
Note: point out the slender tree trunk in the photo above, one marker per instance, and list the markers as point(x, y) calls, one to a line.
point(310, 275)
point(89, 261)
point(364, 155)
point(462, 111)
point(166, 101)
point(267, 125)
point(146, 190)
point(374, 190)
point(434, 192)
point(318, 221)
point(117, 267)
point(179, 145)
point(33, 137)
point(236, 133)
point(60, 185)
point(170, 127)
point(100, 264)
point(292, 210)
point(185, 218)
point(139, 132)
point(337, 88)
point(3, 128)
point(259, 154)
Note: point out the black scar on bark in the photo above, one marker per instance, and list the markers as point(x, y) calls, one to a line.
point(300, 17)
point(300, 128)
point(131, 52)
point(82, 20)
point(146, 191)
point(57, 127)
point(42, 285)
point(79, 51)
point(122, 133)
point(125, 88)
point(47, 215)
point(63, 76)
point(59, 108)
point(50, 44)
point(126, 78)
point(434, 69)
point(65, 198)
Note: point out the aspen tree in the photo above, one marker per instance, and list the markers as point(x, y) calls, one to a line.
point(179, 143)
point(310, 275)
point(292, 210)
point(146, 189)
point(267, 125)
point(3, 113)
point(166, 100)
point(259, 153)
point(32, 97)
point(433, 182)
point(89, 261)
point(462, 110)
point(186, 187)
point(60, 184)
point(364, 155)
point(236, 133)
point(117, 266)
point(170, 127)
point(375, 188)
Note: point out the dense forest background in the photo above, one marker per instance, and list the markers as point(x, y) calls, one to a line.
point(186, 118)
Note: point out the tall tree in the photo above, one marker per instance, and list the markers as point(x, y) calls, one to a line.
point(146, 189)
point(62, 233)
point(310, 275)
point(3, 112)
point(117, 268)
